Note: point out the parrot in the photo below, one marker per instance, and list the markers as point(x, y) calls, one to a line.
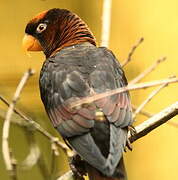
point(75, 68)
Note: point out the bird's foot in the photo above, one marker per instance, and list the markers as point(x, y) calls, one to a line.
point(128, 145)
point(132, 130)
point(132, 133)
point(77, 166)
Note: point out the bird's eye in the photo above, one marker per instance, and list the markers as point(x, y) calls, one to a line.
point(41, 27)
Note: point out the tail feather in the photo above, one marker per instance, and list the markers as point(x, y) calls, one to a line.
point(120, 173)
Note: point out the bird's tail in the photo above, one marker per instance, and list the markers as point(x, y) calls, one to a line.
point(119, 174)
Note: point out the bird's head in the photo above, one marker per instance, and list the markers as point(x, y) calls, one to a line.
point(55, 29)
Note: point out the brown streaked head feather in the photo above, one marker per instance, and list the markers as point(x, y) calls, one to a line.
point(64, 29)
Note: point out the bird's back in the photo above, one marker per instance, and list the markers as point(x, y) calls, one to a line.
point(76, 72)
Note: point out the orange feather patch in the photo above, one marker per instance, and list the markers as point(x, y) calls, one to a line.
point(39, 16)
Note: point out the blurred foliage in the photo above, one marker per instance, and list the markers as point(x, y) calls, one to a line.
point(154, 156)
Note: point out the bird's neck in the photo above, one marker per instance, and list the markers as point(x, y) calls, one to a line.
point(72, 31)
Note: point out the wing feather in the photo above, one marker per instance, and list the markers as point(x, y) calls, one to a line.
point(78, 72)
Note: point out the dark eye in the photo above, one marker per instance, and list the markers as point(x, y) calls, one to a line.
point(41, 27)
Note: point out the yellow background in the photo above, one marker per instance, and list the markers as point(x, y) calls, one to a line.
point(154, 157)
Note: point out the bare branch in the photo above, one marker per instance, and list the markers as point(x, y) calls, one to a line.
point(40, 129)
point(147, 71)
point(34, 157)
point(155, 121)
point(148, 99)
point(143, 112)
point(148, 114)
point(67, 176)
point(15, 119)
point(132, 52)
point(55, 153)
point(13, 173)
point(106, 21)
point(6, 126)
point(95, 97)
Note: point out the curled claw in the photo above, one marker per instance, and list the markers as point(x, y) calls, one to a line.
point(128, 145)
point(132, 133)
point(77, 166)
point(132, 130)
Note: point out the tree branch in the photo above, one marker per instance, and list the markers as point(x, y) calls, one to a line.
point(35, 156)
point(148, 99)
point(147, 71)
point(40, 129)
point(67, 176)
point(155, 121)
point(132, 52)
point(106, 21)
point(143, 112)
point(149, 115)
point(6, 126)
point(145, 85)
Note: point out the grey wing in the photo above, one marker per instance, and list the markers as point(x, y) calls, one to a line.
point(62, 85)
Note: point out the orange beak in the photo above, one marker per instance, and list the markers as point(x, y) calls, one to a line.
point(30, 43)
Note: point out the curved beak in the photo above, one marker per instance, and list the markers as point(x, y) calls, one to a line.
point(30, 43)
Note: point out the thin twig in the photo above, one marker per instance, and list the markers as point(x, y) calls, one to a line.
point(6, 126)
point(34, 156)
point(155, 121)
point(132, 52)
point(67, 176)
point(147, 71)
point(13, 174)
point(55, 153)
point(106, 21)
point(145, 85)
point(40, 129)
point(143, 112)
point(15, 120)
point(148, 99)
point(149, 115)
